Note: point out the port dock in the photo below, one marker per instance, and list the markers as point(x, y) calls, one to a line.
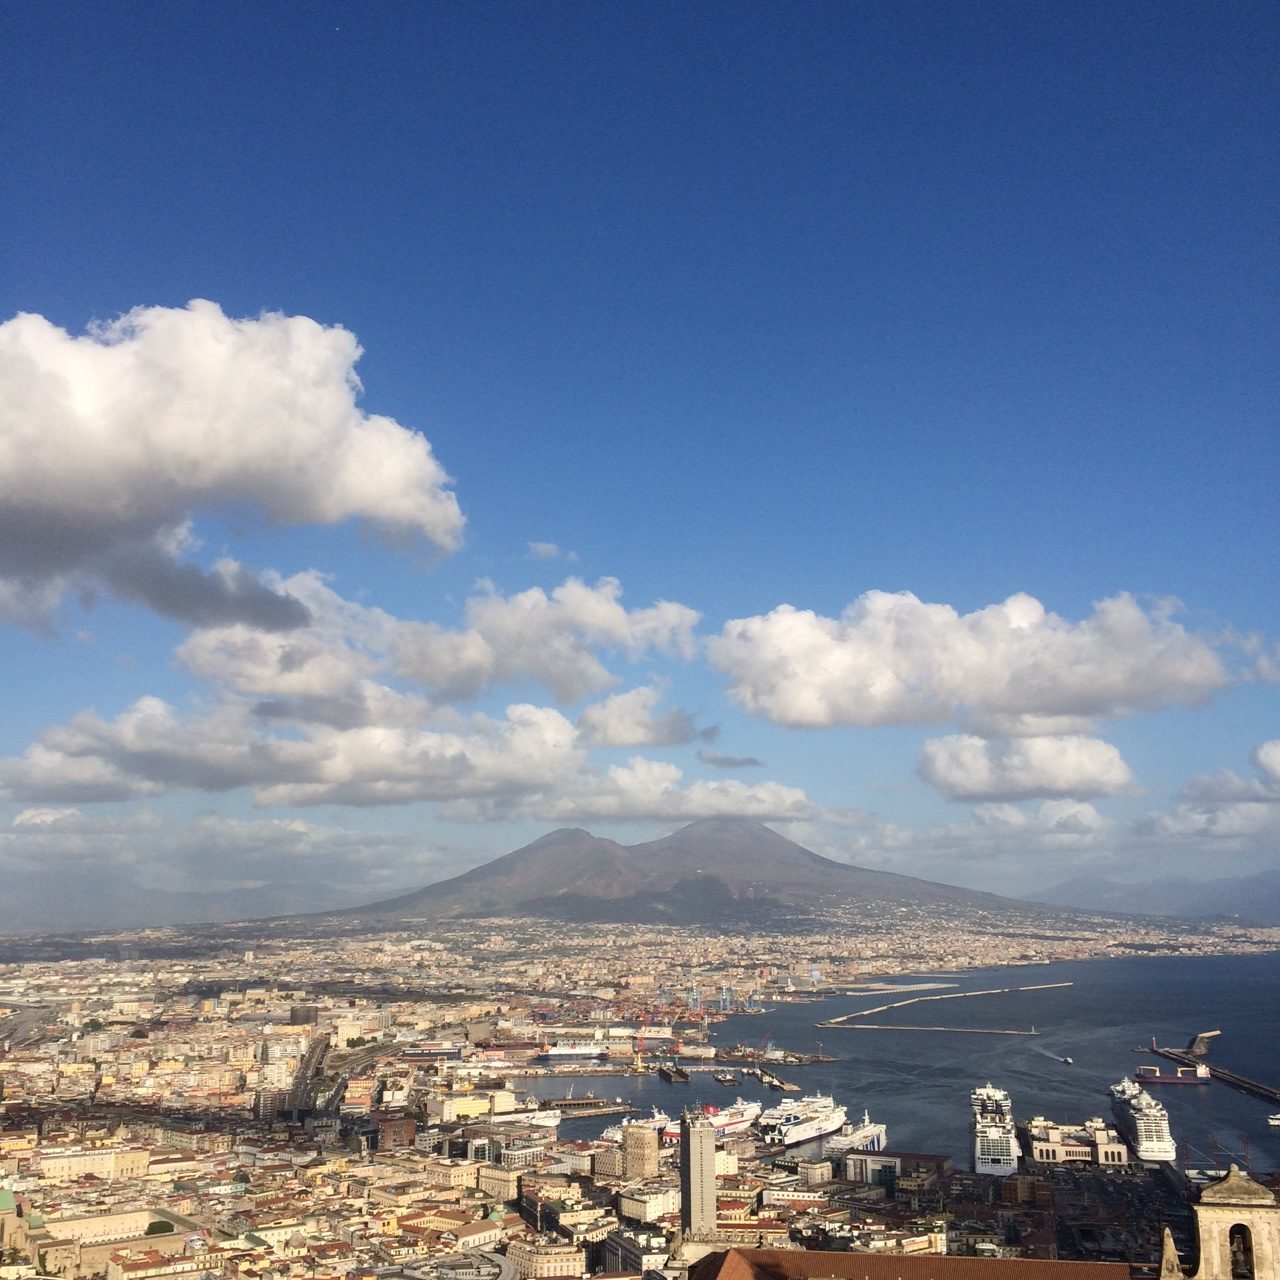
point(1193, 1056)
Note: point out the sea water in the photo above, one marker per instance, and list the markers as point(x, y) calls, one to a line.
point(918, 1082)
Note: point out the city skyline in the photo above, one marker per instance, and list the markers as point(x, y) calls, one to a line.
point(424, 429)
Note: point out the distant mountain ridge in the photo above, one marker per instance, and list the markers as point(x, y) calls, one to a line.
point(713, 870)
point(1253, 899)
point(126, 903)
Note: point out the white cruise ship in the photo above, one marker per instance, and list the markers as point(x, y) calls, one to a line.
point(995, 1140)
point(867, 1136)
point(1143, 1122)
point(791, 1123)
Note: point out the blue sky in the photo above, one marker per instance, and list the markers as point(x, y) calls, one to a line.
point(745, 308)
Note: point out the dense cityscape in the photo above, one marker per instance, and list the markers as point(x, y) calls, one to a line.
point(175, 1105)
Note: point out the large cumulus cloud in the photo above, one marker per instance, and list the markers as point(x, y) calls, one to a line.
point(966, 767)
point(529, 762)
point(1011, 668)
point(644, 790)
point(630, 720)
point(114, 438)
point(548, 638)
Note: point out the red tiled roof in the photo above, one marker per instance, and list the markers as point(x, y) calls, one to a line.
point(797, 1264)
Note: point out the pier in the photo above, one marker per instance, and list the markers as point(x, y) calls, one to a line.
point(1192, 1056)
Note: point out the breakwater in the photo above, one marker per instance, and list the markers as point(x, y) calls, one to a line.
point(973, 1031)
point(846, 1021)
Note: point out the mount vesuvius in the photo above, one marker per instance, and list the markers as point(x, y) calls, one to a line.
point(720, 870)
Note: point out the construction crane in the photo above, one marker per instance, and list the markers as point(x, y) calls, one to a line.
point(638, 1062)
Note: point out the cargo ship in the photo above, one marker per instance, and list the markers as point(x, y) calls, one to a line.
point(995, 1139)
point(1147, 1074)
point(1143, 1123)
point(791, 1123)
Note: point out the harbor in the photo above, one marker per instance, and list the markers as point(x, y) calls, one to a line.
point(1190, 1057)
point(899, 1078)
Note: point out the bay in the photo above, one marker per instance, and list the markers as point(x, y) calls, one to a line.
point(918, 1082)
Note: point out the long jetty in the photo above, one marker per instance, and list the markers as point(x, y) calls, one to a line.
point(973, 1031)
point(846, 1020)
point(1186, 1058)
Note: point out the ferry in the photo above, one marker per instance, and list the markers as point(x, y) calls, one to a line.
point(867, 1136)
point(727, 1120)
point(791, 1123)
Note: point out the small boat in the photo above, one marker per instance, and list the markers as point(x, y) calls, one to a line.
point(1274, 1120)
point(1069, 1061)
point(725, 1077)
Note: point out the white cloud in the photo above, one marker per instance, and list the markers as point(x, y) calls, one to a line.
point(530, 749)
point(548, 551)
point(645, 789)
point(43, 819)
point(150, 749)
point(146, 750)
point(628, 720)
point(529, 763)
point(551, 639)
point(327, 672)
point(113, 439)
point(965, 767)
point(1227, 787)
point(894, 659)
point(1266, 759)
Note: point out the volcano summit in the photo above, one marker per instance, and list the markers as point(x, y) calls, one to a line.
point(717, 870)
